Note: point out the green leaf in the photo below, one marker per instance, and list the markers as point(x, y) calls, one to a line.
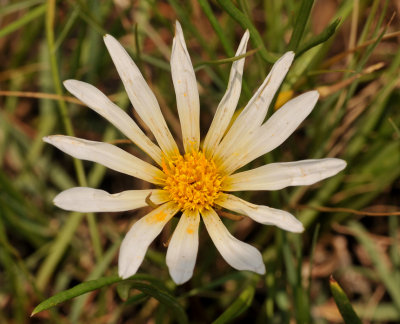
point(163, 297)
point(20, 5)
point(16, 24)
point(245, 22)
point(237, 276)
point(139, 298)
point(208, 11)
point(300, 24)
point(78, 290)
point(238, 307)
point(320, 38)
point(223, 61)
point(396, 129)
point(386, 275)
point(343, 303)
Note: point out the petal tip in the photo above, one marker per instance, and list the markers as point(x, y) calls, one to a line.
point(260, 269)
point(70, 84)
point(341, 164)
point(290, 55)
point(47, 139)
point(285, 61)
point(181, 277)
point(108, 40)
point(294, 225)
point(299, 228)
point(124, 272)
point(57, 200)
point(315, 94)
point(246, 35)
point(178, 26)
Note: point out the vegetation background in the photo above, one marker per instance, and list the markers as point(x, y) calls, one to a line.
point(351, 220)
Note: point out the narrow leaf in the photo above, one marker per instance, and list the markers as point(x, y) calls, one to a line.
point(245, 22)
point(17, 24)
point(163, 297)
point(320, 38)
point(137, 299)
point(238, 306)
point(300, 24)
point(205, 5)
point(224, 61)
point(343, 303)
point(78, 290)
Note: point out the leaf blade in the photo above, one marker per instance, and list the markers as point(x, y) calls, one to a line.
point(242, 303)
point(75, 291)
point(343, 303)
point(163, 297)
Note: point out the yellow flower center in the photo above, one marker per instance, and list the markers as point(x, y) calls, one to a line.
point(192, 181)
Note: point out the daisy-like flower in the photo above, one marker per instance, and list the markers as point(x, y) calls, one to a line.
point(199, 180)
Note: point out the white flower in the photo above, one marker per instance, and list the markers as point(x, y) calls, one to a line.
point(203, 177)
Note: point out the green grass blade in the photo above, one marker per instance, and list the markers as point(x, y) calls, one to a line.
point(382, 269)
point(20, 5)
point(31, 15)
point(216, 283)
point(139, 298)
point(58, 248)
point(242, 303)
point(223, 61)
point(395, 128)
point(382, 313)
point(101, 267)
point(240, 17)
point(50, 18)
point(343, 303)
point(87, 16)
point(67, 27)
point(78, 290)
point(217, 27)
point(320, 38)
point(300, 25)
point(164, 298)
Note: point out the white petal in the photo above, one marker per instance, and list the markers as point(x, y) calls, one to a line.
point(276, 176)
point(141, 96)
point(182, 249)
point(274, 132)
point(262, 214)
point(108, 155)
point(85, 200)
point(255, 111)
point(187, 95)
point(229, 102)
point(238, 254)
point(99, 102)
point(140, 236)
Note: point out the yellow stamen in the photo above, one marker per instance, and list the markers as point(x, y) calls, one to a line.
point(193, 181)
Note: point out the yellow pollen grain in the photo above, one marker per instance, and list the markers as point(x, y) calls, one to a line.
point(192, 181)
point(158, 217)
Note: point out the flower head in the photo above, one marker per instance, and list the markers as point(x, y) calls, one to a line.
point(195, 182)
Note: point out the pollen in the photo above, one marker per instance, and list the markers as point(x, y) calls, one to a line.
point(157, 218)
point(192, 181)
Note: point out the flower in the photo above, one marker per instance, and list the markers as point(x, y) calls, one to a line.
point(200, 179)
